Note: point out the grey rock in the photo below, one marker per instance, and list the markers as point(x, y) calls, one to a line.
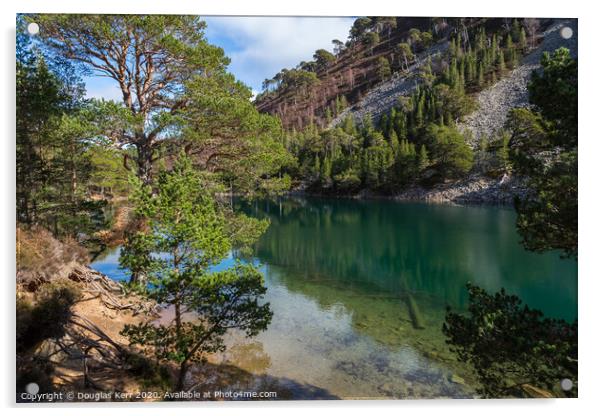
point(475, 189)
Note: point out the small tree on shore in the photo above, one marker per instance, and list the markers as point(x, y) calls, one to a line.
point(185, 237)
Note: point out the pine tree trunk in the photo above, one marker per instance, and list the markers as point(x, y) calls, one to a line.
point(145, 161)
point(182, 376)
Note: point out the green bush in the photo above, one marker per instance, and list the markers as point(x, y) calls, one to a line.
point(347, 180)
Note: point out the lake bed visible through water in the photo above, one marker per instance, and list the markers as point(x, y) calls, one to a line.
point(359, 291)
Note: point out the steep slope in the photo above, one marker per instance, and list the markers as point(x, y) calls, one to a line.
point(355, 73)
point(474, 74)
point(494, 103)
point(384, 96)
point(511, 91)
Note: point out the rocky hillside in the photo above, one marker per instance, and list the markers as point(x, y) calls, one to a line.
point(355, 73)
point(385, 95)
point(467, 73)
point(493, 103)
point(511, 91)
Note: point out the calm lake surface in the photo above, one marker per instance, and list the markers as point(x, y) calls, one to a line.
point(359, 290)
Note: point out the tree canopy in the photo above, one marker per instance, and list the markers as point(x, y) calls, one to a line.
point(54, 166)
point(543, 148)
point(150, 57)
point(176, 93)
point(512, 348)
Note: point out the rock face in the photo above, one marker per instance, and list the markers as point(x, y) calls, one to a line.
point(511, 91)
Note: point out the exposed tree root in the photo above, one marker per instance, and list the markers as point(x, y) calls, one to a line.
point(110, 292)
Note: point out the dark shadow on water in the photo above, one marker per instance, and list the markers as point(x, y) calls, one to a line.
point(230, 378)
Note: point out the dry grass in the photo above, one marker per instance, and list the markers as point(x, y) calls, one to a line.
point(42, 258)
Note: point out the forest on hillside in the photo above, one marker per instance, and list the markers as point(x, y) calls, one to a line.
point(417, 142)
point(381, 47)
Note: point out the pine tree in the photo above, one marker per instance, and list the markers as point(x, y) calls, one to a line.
point(494, 45)
point(395, 144)
point(423, 158)
point(186, 235)
point(453, 73)
point(459, 48)
point(509, 49)
point(316, 170)
point(328, 115)
point(481, 39)
point(514, 58)
point(349, 126)
point(452, 48)
point(326, 171)
point(419, 115)
point(344, 103)
point(383, 125)
point(522, 40)
point(501, 63)
point(481, 76)
point(367, 125)
point(515, 30)
point(383, 69)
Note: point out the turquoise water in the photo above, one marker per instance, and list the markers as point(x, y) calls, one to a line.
point(346, 280)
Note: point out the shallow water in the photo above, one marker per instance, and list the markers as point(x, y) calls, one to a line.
point(349, 282)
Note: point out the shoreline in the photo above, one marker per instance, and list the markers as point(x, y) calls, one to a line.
point(473, 190)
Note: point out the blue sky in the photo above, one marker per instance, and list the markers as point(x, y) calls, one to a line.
point(258, 47)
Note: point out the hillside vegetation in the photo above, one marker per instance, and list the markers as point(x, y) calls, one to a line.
point(414, 108)
point(381, 54)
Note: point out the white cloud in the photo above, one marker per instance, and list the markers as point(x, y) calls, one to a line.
point(258, 47)
point(264, 45)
